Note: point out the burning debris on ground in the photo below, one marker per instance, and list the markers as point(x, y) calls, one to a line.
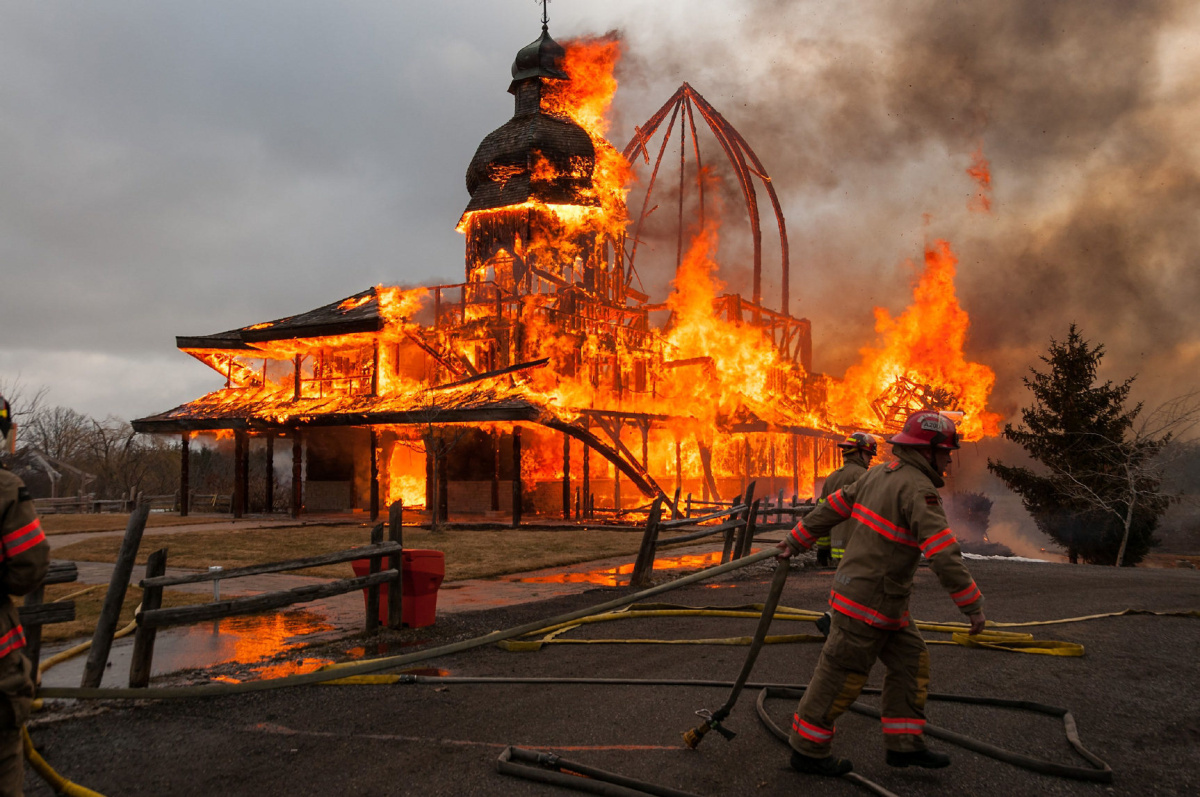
point(436, 395)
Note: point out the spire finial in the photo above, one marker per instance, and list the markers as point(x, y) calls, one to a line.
point(545, 15)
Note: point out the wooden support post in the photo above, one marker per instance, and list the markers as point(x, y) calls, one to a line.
point(239, 481)
point(297, 471)
point(587, 477)
point(443, 479)
point(395, 562)
point(496, 471)
point(269, 487)
point(430, 477)
point(745, 461)
point(296, 378)
point(675, 513)
point(373, 441)
point(245, 472)
point(185, 457)
point(110, 612)
point(795, 464)
point(644, 428)
point(517, 487)
point(779, 515)
point(143, 640)
point(566, 477)
point(616, 488)
point(710, 483)
point(678, 468)
point(373, 590)
point(816, 461)
point(688, 513)
point(643, 566)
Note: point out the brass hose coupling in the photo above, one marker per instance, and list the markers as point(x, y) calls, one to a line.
point(692, 737)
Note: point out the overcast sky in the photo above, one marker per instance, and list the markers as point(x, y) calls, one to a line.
point(189, 167)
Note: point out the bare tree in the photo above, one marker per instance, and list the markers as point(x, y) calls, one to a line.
point(1131, 471)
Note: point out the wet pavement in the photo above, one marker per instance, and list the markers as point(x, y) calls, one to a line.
point(261, 638)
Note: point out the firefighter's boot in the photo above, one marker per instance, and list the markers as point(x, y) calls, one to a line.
point(918, 758)
point(828, 766)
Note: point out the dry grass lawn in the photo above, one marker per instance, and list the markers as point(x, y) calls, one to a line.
point(469, 554)
point(87, 608)
point(103, 521)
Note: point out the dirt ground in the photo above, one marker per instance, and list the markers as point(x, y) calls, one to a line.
point(1134, 695)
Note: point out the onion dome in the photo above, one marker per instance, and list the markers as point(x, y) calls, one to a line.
point(535, 155)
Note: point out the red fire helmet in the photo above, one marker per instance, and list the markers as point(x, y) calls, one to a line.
point(860, 441)
point(927, 428)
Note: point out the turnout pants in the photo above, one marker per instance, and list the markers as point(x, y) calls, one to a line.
point(846, 660)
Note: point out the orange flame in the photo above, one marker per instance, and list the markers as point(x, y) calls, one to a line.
point(924, 346)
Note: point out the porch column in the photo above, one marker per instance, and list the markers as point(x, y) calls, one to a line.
point(297, 471)
point(496, 471)
point(517, 487)
point(269, 472)
point(566, 479)
point(239, 481)
point(374, 443)
point(185, 445)
point(587, 475)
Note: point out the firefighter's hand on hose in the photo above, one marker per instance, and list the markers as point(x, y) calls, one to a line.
point(785, 551)
point(977, 622)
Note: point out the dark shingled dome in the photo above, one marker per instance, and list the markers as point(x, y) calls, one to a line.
point(540, 58)
point(501, 173)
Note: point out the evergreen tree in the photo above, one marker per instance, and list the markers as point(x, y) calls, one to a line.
point(1099, 495)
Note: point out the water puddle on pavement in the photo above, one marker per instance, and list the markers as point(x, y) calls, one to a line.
point(619, 576)
point(245, 640)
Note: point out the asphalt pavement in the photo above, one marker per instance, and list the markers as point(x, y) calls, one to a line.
point(1134, 695)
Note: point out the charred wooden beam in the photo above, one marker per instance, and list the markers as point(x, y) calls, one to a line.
point(517, 486)
point(297, 471)
point(269, 486)
point(512, 369)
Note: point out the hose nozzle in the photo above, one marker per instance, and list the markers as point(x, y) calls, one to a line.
point(711, 723)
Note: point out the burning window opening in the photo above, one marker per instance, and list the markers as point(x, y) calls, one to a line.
point(544, 383)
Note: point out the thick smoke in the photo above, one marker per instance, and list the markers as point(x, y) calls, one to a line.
point(867, 124)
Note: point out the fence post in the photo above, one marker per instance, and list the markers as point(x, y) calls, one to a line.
point(675, 513)
point(143, 640)
point(643, 566)
point(747, 536)
point(395, 562)
point(33, 634)
point(110, 612)
point(373, 590)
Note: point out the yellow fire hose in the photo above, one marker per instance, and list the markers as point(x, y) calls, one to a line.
point(992, 638)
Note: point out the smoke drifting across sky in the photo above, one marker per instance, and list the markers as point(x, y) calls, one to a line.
point(184, 168)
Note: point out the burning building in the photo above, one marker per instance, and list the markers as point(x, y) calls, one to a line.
point(546, 382)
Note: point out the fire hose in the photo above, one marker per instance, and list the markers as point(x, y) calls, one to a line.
point(360, 672)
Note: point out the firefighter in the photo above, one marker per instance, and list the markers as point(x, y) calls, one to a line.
point(24, 559)
point(895, 516)
point(857, 452)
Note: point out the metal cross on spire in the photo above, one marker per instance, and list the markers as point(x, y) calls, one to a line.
point(545, 14)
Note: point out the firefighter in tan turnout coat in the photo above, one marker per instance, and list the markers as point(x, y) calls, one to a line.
point(857, 452)
point(24, 558)
point(896, 517)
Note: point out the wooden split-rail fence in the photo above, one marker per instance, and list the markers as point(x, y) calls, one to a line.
point(153, 616)
point(738, 522)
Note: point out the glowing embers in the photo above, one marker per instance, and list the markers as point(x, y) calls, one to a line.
point(619, 576)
